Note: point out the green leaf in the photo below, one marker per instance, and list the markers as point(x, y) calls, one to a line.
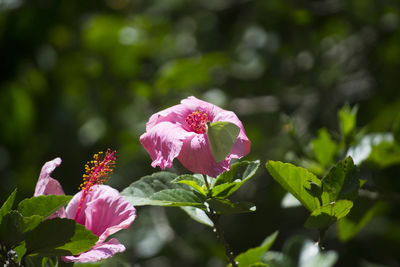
point(195, 182)
point(225, 190)
point(324, 148)
point(315, 190)
point(7, 205)
point(277, 259)
point(253, 255)
point(239, 171)
point(384, 154)
point(359, 216)
point(159, 190)
point(59, 237)
point(258, 264)
point(311, 257)
point(228, 182)
point(33, 261)
point(222, 136)
point(12, 229)
point(20, 250)
point(301, 252)
point(377, 149)
point(49, 262)
point(226, 206)
point(42, 205)
point(347, 120)
point(295, 180)
point(342, 182)
point(31, 222)
point(325, 216)
point(198, 215)
point(312, 166)
point(177, 197)
point(139, 192)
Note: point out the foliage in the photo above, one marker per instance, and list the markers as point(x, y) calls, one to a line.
point(80, 76)
point(205, 193)
point(299, 251)
point(28, 236)
point(329, 199)
point(253, 255)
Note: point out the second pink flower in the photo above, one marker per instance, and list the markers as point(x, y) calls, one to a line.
point(180, 132)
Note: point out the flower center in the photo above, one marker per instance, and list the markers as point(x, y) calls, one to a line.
point(197, 121)
point(96, 173)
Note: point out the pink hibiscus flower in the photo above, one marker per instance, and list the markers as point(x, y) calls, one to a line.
point(180, 132)
point(100, 208)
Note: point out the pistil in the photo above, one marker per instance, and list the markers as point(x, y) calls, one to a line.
point(97, 172)
point(197, 121)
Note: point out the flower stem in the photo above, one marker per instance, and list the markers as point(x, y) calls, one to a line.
point(321, 239)
point(220, 236)
point(214, 217)
point(206, 182)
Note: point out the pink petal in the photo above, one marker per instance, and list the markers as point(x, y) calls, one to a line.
point(164, 142)
point(194, 104)
point(196, 156)
point(242, 145)
point(72, 206)
point(196, 153)
point(104, 211)
point(175, 114)
point(47, 185)
point(98, 252)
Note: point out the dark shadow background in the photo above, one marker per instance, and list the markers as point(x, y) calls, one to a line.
point(78, 77)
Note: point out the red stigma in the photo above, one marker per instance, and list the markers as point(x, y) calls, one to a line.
point(197, 121)
point(97, 172)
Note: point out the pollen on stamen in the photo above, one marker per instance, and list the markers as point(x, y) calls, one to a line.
point(96, 173)
point(197, 121)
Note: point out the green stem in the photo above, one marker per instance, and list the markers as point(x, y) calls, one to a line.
point(220, 236)
point(206, 182)
point(321, 239)
point(214, 217)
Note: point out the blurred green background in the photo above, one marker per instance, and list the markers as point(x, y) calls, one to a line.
point(78, 77)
